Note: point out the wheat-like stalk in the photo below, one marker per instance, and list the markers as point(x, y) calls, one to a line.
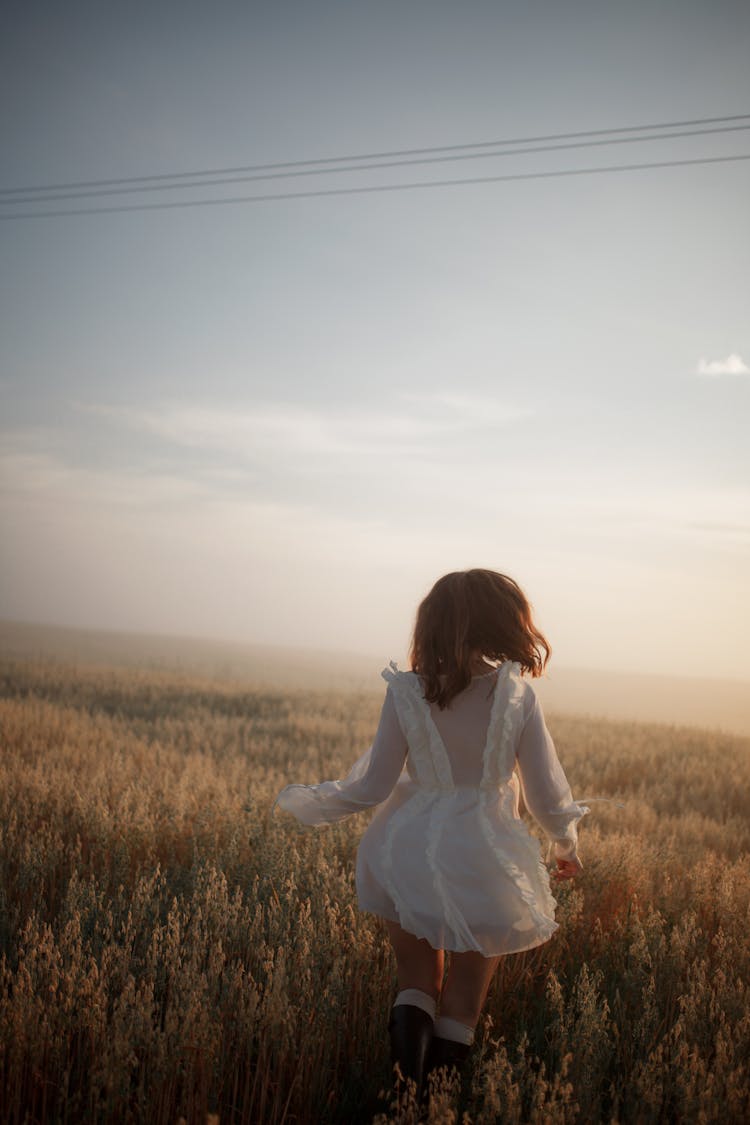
point(171, 953)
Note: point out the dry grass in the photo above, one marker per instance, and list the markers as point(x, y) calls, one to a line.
point(168, 954)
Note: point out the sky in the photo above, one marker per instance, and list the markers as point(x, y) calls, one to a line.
point(281, 421)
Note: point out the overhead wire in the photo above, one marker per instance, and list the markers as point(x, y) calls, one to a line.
point(386, 155)
point(374, 188)
point(130, 188)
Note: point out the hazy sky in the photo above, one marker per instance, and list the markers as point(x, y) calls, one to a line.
point(281, 421)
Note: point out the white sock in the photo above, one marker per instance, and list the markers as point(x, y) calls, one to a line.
point(446, 1028)
point(417, 999)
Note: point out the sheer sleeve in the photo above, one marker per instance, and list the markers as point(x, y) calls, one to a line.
point(370, 780)
point(546, 792)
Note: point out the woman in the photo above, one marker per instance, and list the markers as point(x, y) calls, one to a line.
point(446, 861)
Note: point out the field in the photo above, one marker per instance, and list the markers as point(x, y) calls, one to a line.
point(172, 952)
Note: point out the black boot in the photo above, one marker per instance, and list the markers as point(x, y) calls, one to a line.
point(445, 1054)
point(411, 1034)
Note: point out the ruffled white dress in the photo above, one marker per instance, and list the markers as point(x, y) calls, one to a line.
point(446, 854)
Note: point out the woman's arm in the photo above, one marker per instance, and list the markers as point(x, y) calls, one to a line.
point(370, 780)
point(546, 792)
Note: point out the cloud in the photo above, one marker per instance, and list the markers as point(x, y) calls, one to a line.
point(273, 429)
point(461, 411)
point(734, 529)
point(733, 365)
point(30, 474)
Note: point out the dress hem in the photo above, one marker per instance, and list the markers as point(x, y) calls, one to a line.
point(461, 947)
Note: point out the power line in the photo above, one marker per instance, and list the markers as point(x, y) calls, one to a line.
point(408, 152)
point(327, 171)
point(373, 188)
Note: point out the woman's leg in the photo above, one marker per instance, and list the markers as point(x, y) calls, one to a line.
point(419, 965)
point(466, 986)
point(464, 992)
point(420, 976)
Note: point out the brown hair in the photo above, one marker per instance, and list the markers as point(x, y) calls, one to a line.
point(472, 612)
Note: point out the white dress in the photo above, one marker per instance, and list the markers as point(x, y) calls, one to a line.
point(446, 854)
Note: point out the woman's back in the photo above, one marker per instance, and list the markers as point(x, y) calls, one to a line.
point(471, 742)
point(463, 727)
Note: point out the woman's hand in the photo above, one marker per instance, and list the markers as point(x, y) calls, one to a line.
point(568, 868)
